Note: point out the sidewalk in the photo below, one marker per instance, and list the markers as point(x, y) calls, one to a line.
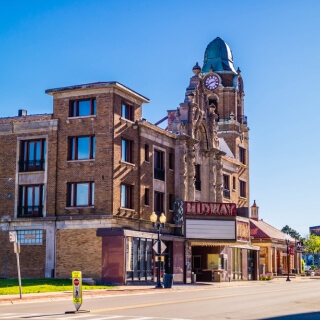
point(142, 289)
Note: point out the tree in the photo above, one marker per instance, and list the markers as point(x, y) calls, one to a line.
point(293, 233)
point(312, 245)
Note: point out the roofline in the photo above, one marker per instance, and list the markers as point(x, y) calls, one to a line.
point(94, 85)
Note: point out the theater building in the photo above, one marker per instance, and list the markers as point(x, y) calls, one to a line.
point(79, 185)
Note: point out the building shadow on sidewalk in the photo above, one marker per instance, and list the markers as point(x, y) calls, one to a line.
point(300, 316)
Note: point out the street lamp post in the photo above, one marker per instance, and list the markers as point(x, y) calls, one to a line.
point(288, 256)
point(159, 224)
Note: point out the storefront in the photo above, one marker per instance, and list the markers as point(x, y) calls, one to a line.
point(128, 256)
point(218, 242)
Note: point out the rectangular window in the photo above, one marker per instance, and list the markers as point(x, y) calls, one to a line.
point(146, 152)
point(126, 196)
point(226, 186)
point(171, 201)
point(139, 259)
point(82, 108)
point(243, 189)
point(146, 196)
point(159, 171)
point(127, 111)
point(242, 155)
point(236, 263)
point(82, 148)
point(171, 161)
point(80, 194)
point(158, 202)
point(197, 177)
point(234, 184)
point(31, 201)
point(32, 155)
point(30, 237)
point(127, 150)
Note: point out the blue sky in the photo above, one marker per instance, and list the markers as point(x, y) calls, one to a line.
point(151, 47)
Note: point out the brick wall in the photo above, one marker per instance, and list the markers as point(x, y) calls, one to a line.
point(32, 258)
point(78, 250)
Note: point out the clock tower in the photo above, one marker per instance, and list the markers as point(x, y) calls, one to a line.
point(212, 114)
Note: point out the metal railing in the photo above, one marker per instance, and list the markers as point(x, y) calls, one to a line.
point(31, 165)
point(29, 211)
point(159, 174)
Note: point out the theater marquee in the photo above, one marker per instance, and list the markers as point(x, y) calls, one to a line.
point(210, 208)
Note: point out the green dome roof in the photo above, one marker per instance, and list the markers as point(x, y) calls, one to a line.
point(219, 56)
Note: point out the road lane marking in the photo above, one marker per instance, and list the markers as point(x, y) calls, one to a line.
point(154, 304)
point(16, 316)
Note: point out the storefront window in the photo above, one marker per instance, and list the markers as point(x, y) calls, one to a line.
point(236, 264)
point(139, 259)
point(250, 264)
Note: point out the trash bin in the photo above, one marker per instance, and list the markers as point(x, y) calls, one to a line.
point(193, 277)
point(168, 280)
point(217, 276)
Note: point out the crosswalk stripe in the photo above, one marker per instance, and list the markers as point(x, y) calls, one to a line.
point(86, 316)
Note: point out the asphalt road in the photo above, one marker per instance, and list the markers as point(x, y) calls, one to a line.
point(295, 300)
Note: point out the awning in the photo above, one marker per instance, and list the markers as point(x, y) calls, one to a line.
point(231, 244)
point(246, 246)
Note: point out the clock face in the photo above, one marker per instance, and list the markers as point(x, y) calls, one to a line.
point(211, 82)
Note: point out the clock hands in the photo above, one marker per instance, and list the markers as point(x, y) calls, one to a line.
point(212, 82)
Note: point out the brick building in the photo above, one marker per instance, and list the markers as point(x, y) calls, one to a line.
point(79, 185)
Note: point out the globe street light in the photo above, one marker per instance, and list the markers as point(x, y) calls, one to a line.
point(288, 256)
point(159, 223)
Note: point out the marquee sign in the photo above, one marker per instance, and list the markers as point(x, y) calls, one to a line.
point(210, 208)
point(315, 230)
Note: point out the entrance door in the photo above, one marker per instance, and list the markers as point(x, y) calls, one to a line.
point(250, 265)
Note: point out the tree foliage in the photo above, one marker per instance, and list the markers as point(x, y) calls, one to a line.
point(312, 244)
point(293, 233)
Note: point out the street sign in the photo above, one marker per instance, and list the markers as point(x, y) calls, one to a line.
point(163, 247)
point(13, 236)
point(77, 289)
point(159, 258)
point(16, 249)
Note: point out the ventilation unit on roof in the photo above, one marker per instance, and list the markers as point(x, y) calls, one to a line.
point(22, 113)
